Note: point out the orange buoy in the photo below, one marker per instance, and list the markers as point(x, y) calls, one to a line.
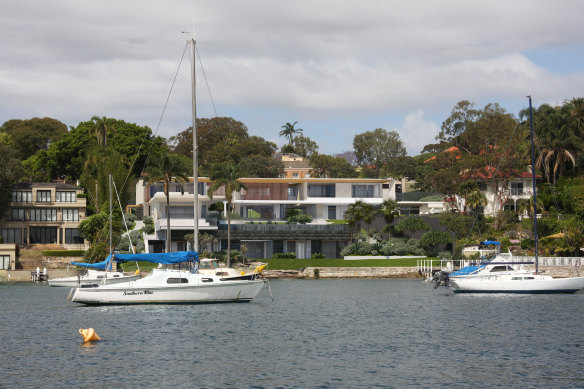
point(89, 335)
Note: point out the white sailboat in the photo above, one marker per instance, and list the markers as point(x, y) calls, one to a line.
point(171, 285)
point(502, 275)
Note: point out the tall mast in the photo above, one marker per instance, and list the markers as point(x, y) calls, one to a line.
point(195, 154)
point(110, 219)
point(535, 236)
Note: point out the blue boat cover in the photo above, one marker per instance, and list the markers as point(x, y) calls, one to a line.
point(104, 265)
point(163, 258)
point(466, 270)
point(486, 242)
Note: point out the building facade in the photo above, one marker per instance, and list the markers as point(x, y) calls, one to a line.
point(260, 213)
point(44, 213)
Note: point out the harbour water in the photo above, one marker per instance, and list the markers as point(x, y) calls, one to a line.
point(378, 333)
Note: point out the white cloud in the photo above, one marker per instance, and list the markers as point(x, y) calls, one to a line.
point(416, 132)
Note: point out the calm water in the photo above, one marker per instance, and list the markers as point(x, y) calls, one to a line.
point(315, 333)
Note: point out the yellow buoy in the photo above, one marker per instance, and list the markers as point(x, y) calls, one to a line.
point(89, 335)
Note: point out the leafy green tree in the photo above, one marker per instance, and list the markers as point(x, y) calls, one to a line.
point(412, 225)
point(295, 216)
point(166, 168)
point(326, 166)
point(289, 130)
point(304, 146)
point(375, 149)
point(96, 230)
point(226, 174)
point(400, 167)
point(462, 115)
point(434, 241)
point(33, 135)
point(10, 171)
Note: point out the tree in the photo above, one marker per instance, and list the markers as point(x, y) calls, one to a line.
point(304, 146)
point(411, 225)
point(102, 127)
point(390, 210)
point(400, 167)
point(458, 122)
point(226, 174)
point(10, 171)
point(374, 149)
point(558, 135)
point(33, 135)
point(433, 241)
point(326, 166)
point(167, 168)
point(289, 130)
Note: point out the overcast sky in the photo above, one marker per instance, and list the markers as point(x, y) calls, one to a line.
point(338, 67)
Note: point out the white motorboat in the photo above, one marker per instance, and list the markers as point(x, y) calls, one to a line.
point(210, 266)
point(92, 276)
point(169, 286)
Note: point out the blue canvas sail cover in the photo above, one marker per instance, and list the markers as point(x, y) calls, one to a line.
point(163, 258)
point(104, 265)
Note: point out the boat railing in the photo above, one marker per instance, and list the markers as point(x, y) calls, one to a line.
point(554, 261)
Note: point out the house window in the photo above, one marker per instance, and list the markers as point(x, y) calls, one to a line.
point(43, 235)
point(332, 212)
point(70, 215)
point(294, 175)
point(65, 197)
point(18, 214)
point(4, 262)
point(43, 215)
point(327, 190)
point(72, 236)
point(516, 188)
point(12, 235)
point(22, 196)
point(43, 196)
point(363, 191)
point(292, 192)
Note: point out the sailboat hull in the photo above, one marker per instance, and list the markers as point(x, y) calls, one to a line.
point(170, 287)
point(514, 283)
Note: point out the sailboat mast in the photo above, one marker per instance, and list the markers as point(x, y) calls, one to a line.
point(195, 154)
point(535, 236)
point(110, 218)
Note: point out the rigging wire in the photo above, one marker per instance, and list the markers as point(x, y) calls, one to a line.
point(206, 82)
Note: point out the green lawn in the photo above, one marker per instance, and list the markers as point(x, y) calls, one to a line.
point(294, 264)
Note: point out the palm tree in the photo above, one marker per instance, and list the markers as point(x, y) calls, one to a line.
point(102, 126)
point(390, 210)
point(475, 200)
point(167, 168)
point(289, 131)
point(226, 174)
point(354, 214)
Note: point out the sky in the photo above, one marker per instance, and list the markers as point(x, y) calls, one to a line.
point(337, 67)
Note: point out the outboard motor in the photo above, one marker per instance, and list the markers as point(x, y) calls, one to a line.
point(441, 277)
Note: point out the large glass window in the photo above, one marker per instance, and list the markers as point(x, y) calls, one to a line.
point(332, 212)
point(71, 215)
point(72, 236)
point(43, 215)
point(181, 212)
point(361, 191)
point(43, 196)
point(323, 190)
point(43, 235)
point(22, 196)
point(18, 214)
point(66, 197)
point(11, 235)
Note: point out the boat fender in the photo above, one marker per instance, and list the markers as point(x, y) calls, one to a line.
point(89, 335)
point(137, 272)
point(242, 273)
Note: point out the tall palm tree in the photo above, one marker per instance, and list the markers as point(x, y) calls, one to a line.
point(476, 200)
point(289, 130)
point(102, 126)
point(167, 168)
point(390, 210)
point(226, 174)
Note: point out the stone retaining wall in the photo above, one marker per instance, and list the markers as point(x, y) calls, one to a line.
point(345, 272)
